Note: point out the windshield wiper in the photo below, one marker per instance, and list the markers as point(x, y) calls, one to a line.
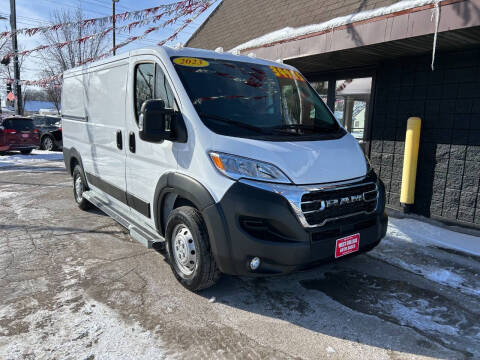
point(298, 127)
point(233, 122)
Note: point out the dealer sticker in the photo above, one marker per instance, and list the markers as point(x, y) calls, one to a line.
point(347, 245)
point(192, 62)
point(286, 73)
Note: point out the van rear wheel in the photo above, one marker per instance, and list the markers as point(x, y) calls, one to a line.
point(188, 249)
point(79, 187)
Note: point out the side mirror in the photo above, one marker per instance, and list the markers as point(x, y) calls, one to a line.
point(155, 121)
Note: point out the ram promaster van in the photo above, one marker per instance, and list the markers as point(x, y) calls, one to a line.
point(235, 162)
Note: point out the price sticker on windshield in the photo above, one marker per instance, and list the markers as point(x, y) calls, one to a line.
point(286, 73)
point(192, 62)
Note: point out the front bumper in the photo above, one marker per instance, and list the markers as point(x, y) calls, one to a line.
point(250, 222)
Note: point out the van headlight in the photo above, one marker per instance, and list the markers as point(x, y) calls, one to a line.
point(237, 167)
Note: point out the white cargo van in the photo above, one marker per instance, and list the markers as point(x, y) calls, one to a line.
point(235, 162)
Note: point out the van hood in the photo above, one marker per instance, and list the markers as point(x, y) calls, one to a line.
point(304, 162)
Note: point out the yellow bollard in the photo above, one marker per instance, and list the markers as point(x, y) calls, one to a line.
point(410, 159)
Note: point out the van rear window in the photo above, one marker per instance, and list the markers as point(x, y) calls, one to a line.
point(19, 124)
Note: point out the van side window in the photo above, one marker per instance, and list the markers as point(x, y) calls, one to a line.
point(162, 88)
point(144, 85)
point(151, 83)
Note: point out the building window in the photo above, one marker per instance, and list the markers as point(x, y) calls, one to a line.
point(349, 99)
point(321, 87)
point(352, 99)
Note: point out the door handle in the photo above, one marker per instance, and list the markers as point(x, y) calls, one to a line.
point(131, 141)
point(119, 140)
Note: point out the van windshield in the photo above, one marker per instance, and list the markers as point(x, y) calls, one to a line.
point(255, 101)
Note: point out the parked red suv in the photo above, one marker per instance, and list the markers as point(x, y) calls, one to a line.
point(18, 134)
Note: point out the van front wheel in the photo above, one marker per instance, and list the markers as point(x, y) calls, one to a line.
point(188, 249)
point(79, 186)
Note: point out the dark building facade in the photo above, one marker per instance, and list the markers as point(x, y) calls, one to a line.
point(448, 102)
point(375, 74)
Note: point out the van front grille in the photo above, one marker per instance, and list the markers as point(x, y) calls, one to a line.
point(329, 204)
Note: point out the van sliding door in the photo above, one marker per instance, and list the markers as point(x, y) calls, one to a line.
point(105, 98)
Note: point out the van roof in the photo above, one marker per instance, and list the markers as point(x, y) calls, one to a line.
point(182, 51)
point(203, 53)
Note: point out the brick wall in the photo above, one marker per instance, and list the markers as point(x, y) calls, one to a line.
point(235, 22)
point(448, 101)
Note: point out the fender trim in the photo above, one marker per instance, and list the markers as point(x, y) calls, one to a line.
point(68, 154)
point(184, 186)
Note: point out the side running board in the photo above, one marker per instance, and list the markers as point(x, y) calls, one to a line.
point(144, 236)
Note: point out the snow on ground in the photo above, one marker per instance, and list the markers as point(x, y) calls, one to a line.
point(289, 33)
point(37, 156)
point(421, 316)
point(416, 246)
point(424, 233)
point(81, 330)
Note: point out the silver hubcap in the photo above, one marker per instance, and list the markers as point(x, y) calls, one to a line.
point(48, 144)
point(79, 188)
point(184, 250)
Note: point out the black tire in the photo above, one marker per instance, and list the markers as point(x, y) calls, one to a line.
point(79, 199)
point(48, 143)
point(205, 273)
point(26, 152)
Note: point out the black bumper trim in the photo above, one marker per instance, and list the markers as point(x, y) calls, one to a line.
point(233, 244)
point(134, 202)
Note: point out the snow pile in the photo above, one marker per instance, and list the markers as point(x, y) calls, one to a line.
point(447, 277)
point(419, 248)
point(412, 230)
point(37, 156)
point(289, 33)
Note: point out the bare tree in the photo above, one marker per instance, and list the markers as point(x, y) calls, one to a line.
point(54, 95)
point(6, 70)
point(4, 42)
point(27, 95)
point(57, 60)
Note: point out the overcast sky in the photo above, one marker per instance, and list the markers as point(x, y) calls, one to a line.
point(31, 13)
